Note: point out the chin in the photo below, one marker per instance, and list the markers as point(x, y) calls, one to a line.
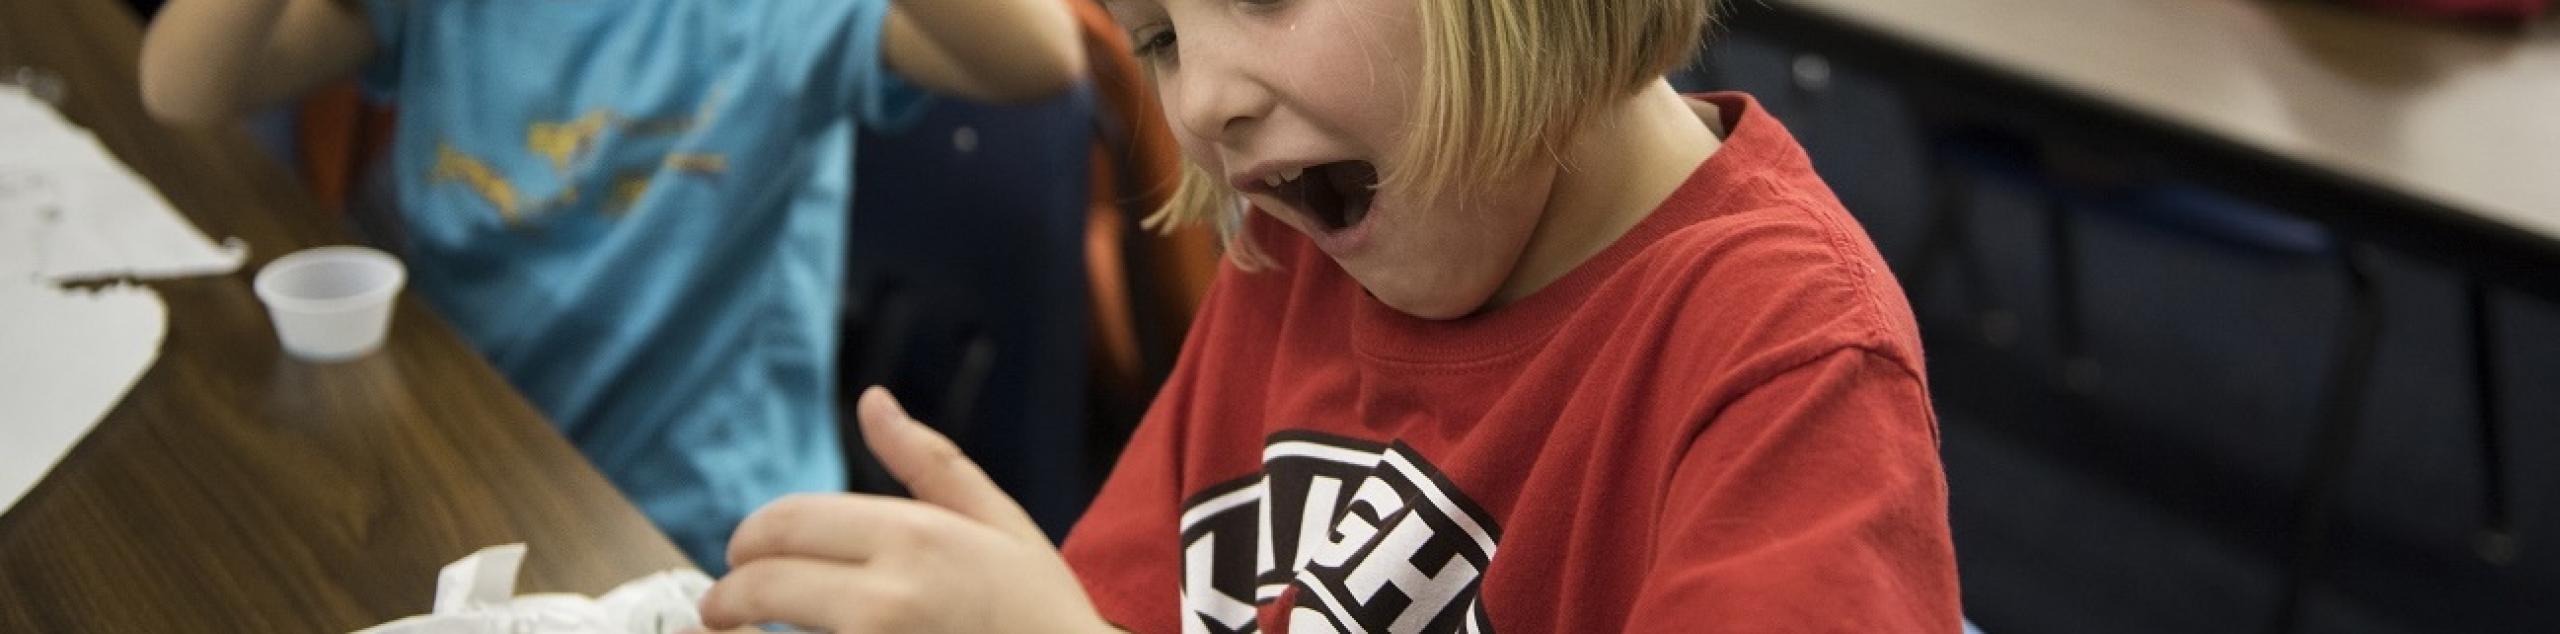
point(1429, 298)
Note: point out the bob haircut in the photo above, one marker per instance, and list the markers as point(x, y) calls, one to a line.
point(1504, 82)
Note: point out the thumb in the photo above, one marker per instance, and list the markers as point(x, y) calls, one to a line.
point(933, 468)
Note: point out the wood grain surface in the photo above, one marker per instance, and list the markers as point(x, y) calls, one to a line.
point(237, 489)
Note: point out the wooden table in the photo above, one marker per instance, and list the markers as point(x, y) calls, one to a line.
point(2437, 139)
point(236, 489)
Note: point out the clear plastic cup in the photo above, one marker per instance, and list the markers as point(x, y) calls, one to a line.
point(331, 303)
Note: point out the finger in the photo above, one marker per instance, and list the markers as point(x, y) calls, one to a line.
point(850, 528)
point(808, 593)
point(934, 469)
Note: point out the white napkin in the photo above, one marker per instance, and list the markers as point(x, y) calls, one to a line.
point(476, 595)
point(66, 358)
point(70, 211)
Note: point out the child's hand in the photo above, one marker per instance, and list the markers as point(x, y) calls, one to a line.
point(961, 557)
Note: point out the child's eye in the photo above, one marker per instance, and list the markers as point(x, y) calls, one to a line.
point(1157, 45)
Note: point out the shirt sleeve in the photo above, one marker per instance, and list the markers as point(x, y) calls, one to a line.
point(831, 49)
point(1127, 549)
point(1813, 503)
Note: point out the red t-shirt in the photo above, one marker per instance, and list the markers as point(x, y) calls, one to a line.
point(1719, 423)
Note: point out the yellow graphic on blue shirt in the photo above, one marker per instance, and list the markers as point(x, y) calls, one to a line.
point(453, 166)
point(570, 148)
point(568, 140)
point(632, 184)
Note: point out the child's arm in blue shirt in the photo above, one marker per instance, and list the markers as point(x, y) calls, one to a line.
point(990, 50)
point(209, 61)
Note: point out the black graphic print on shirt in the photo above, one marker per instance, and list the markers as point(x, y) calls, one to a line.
point(1362, 537)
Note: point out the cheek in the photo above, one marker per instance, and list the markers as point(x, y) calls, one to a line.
point(1197, 151)
point(1353, 66)
point(1378, 117)
point(1200, 154)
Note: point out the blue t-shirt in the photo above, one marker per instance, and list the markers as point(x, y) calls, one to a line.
point(637, 212)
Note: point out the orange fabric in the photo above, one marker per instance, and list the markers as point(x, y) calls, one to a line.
point(1117, 361)
point(1134, 176)
point(339, 135)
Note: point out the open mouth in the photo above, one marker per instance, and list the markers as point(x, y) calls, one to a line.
point(1335, 195)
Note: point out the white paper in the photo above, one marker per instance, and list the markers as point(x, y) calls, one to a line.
point(66, 358)
point(485, 578)
point(475, 595)
point(70, 211)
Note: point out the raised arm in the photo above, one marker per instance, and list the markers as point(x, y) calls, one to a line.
point(989, 50)
point(211, 61)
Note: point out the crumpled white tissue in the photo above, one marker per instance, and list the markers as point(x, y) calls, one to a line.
point(476, 595)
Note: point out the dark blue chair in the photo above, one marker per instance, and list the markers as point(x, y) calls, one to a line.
point(966, 293)
point(1963, 156)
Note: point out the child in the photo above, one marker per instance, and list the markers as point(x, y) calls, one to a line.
point(636, 210)
point(1535, 345)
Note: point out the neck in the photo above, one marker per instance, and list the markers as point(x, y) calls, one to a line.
point(1617, 169)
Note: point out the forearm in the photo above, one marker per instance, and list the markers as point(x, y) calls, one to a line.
point(208, 61)
point(1012, 49)
point(195, 53)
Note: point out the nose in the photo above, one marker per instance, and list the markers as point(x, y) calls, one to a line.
point(1215, 96)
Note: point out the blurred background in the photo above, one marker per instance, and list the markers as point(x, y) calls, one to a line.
point(2145, 479)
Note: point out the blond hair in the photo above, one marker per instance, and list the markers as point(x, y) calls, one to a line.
point(1503, 83)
